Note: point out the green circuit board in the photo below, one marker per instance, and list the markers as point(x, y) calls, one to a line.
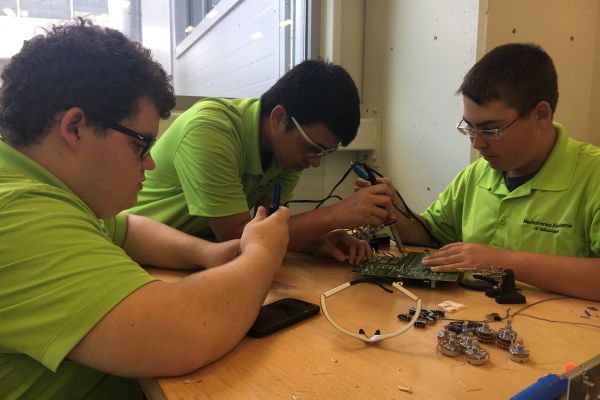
point(407, 267)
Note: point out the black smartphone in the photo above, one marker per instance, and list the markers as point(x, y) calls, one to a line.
point(281, 314)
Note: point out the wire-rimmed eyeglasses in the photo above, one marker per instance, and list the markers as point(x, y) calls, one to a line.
point(149, 141)
point(321, 151)
point(377, 336)
point(488, 134)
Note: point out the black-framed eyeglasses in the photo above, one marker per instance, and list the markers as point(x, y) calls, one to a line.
point(149, 141)
point(488, 134)
point(322, 151)
point(377, 336)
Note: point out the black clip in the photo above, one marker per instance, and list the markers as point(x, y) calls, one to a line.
point(506, 292)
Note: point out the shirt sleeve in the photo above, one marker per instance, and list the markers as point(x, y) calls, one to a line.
point(444, 216)
point(116, 228)
point(60, 275)
point(594, 228)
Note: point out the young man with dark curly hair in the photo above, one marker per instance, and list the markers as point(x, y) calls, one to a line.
point(79, 113)
point(222, 157)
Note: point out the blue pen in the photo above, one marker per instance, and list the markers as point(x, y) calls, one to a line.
point(276, 198)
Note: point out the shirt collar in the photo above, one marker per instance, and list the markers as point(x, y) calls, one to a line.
point(556, 173)
point(251, 137)
point(12, 160)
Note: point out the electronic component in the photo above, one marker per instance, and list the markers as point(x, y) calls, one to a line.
point(405, 317)
point(451, 347)
point(485, 334)
point(517, 352)
point(458, 326)
point(475, 355)
point(377, 240)
point(466, 342)
point(426, 316)
point(505, 336)
point(443, 336)
point(420, 323)
point(407, 267)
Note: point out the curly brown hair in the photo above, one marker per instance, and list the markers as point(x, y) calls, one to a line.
point(78, 64)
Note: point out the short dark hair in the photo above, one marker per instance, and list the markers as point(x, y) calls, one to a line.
point(518, 74)
point(78, 64)
point(316, 91)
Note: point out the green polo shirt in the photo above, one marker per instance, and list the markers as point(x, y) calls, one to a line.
point(555, 212)
point(61, 271)
point(208, 165)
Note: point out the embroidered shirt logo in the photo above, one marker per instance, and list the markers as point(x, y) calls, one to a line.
point(551, 227)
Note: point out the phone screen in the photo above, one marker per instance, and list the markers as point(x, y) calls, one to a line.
point(281, 314)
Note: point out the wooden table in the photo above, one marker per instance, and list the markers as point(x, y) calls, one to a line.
point(313, 360)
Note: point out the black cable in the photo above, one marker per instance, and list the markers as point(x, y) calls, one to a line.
point(335, 196)
point(412, 214)
point(406, 214)
point(335, 187)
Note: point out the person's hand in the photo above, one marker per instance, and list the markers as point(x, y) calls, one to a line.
point(361, 184)
point(370, 206)
point(217, 254)
point(269, 235)
point(342, 246)
point(462, 256)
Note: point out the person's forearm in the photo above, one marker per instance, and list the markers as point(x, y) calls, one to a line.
point(166, 329)
point(413, 232)
point(234, 295)
point(154, 244)
point(306, 228)
point(578, 277)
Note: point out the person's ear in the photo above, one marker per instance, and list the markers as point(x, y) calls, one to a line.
point(279, 116)
point(71, 124)
point(543, 111)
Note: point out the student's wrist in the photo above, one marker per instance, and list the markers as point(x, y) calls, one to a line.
point(332, 217)
point(259, 254)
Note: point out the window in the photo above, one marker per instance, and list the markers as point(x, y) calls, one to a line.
point(189, 13)
point(20, 19)
point(56, 9)
point(198, 10)
point(8, 8)
point(238, 48)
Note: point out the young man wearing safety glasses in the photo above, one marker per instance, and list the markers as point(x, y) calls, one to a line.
point(222, 157)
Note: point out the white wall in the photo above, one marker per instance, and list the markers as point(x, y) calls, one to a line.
point(156, 31)
point(569, 32)
point(14, 30)
point(226, 61)
point(343, 36)
point(416, 54)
